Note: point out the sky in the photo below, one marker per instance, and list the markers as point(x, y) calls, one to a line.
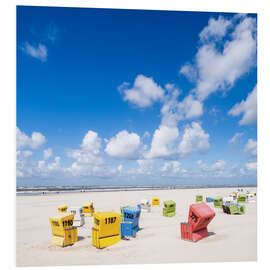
point(134, 97)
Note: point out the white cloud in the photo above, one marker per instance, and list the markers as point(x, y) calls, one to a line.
point(39, 52)
point(89, 153)
point(54, 165)
point(143, 93)
point(173, 111)
point(248, 108)
point(120, 168)
point(219, 65)
point(236, 137)
point(27, 153)
point(162, 142)
point(219, 165)
point(190, 107)
point(145, 166)
point(194, 139)
point(124, 145)
point(189, 72)
point(171, 167)
point(23, 141)
point(251, 147)
point(47, 153)
point(216, 29)
point(251, 166)
point(91, 142)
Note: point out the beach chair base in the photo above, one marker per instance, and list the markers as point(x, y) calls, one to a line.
point(102, 242)
point(170, 214)
point(69, 238)
point(187, 234)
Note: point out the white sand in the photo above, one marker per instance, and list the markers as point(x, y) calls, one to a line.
point(234, 237)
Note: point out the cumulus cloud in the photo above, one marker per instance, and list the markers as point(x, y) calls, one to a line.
point(89, 152)
point(216, 29)
point(248, 108)
point(219, 65)
point(219, 165)
point(162, 142)
point(143, 93)
point(189, 72)
point(39, 52)
point(251, 147)
point(195, 139)
point(23, 141)
point(171, 167)
point(173, 111)
point(145, 166)
point(47, 153)
point(251, 166)
point(236, 137)
point(123, 145)
point(91, 142)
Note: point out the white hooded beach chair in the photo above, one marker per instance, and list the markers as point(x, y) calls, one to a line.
point(250, 198)
point(78, 216)
point(229, 199)
point(145, 205)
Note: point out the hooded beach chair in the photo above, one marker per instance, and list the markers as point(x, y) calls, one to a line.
point(242, 198)
point(218, 202)
point(155, 201)
point(200, 215)
point(209, 199)
point(145, 205)
point(88, 209)
point(250, 197)
point(229, 199)
point(62, 209)
point(169, 208)
point(106, 230)
point(78, 216)
point(63, 232)
point(199, 198)
point(233, 209)
point(130, 222)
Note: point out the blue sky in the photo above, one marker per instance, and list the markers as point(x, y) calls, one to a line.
point(125, 97)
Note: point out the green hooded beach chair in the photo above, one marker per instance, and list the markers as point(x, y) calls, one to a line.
point(169, 208)
point(199, 198)
point(242, 198)
point(218, 201)
point(237, 209)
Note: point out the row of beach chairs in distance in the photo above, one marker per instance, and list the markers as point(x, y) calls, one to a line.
point(232, 204)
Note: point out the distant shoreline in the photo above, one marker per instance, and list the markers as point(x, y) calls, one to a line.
point(78, 189)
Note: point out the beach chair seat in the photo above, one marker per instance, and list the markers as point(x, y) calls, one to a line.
point(62, 209)
point(200, 215)
point(199, 198)
point(63, 232)
point(88, 209)
point(169, 208)
point(78, 216)
point(155, 201)
point(106, 230)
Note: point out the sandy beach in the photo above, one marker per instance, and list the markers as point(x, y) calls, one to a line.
point(232, 237)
